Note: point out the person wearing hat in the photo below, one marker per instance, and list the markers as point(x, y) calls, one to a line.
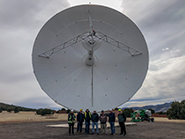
point(112, 121)
point(103, 120)
point(87, 121)
point(122, 119)
point(71, 121)
point(80, 119)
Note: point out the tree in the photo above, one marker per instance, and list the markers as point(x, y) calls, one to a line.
point(16, 110)
point(128, 112)
point(182, 111)
point(63, 109)
point(0, 110)
point(68, 111)
point(177, 110)
point(161, 113)
point(152, 111)
point(39, 111)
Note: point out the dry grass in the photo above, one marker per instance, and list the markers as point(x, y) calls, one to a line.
point(6, 117)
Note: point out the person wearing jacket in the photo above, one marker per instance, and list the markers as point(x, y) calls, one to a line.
point(71, 121)
point(87, 121)
point(103, 120)
point(112, 121)
point(80, 119)
point(95, 119)
point(122, 119)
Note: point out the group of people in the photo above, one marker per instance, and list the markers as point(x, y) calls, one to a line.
point(87, 116)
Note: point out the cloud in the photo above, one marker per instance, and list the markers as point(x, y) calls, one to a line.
point(20, 22)
point(162, 24)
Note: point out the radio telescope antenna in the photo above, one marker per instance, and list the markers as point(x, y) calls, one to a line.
point(90, 56)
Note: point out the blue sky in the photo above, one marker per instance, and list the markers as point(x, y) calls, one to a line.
point(161, 22)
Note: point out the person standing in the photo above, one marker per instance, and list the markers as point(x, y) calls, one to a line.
point(71, 121)
point(95, 119)
point(122, 119)
point(80, 119)
point(87, 121)
point(112, 121)
point(103, 120)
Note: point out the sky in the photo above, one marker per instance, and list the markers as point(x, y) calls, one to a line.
point(161, 22)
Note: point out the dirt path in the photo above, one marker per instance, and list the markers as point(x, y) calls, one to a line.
point(144, 130)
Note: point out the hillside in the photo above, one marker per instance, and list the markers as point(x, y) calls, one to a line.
point(158, 108)
point(5, 107)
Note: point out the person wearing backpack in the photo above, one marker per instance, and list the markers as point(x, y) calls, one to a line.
point(103, 120)
point(122, 119)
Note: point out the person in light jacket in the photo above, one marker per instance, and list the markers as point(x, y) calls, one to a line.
point(103, 120)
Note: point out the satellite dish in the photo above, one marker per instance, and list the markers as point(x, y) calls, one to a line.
point(90, 56)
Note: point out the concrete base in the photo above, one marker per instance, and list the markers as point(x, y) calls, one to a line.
point(108, 125)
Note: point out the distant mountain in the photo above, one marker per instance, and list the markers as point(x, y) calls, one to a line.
point(158, 108)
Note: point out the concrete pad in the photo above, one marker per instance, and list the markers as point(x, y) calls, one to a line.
point(108, 125)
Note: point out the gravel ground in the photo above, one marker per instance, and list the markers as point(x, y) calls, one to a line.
point(144, 130)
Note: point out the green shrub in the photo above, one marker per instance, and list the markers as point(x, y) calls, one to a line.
point(43, 112)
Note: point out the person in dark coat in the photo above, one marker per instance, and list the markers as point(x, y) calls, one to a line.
point(112, 121)
point(80, 119)
point(95, 119)
point(122, 119)
point(71, 121)
point(87, 121)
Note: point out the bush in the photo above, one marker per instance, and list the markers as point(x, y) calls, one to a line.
point(0, 110)
point(43, 112)
point(9, 109)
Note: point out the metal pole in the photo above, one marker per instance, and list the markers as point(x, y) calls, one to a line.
point(92, 76)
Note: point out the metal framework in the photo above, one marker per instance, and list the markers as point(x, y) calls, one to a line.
point(88, 37)
point(105, 38)
point(64, 45)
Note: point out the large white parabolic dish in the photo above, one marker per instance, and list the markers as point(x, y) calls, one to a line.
point(105, 76)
